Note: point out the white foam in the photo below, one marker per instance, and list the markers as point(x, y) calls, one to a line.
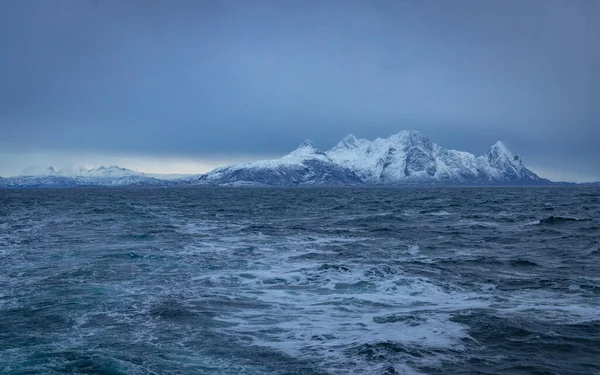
point(550, 307)
point(197, 228)
point(413, 249)
point(439, 213)
point(475, 223)
point(322, 311)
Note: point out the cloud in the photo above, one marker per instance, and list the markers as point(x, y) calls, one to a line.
point(208, 79)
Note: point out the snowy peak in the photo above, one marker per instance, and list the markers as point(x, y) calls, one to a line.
point(405, 158)
point(499, 150)
point(503, 165)
point(409, 157)
point(500, 155)
point(416, 140)
point(405, 135)
point(499, 145)
point(307, 165)
point(349, 142)
point(307, 149)
point(307, 144)
point(112, 171)
point(101, 176)
point(411, 142)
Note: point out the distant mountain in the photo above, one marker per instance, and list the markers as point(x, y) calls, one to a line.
point(411, 158)
point(102, 176)
point(406, 158)
point(307, 165)
point(114, 176)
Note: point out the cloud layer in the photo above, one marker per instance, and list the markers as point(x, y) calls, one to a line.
point(219, 79)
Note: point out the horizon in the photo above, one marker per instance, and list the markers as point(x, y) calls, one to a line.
point(189, 167)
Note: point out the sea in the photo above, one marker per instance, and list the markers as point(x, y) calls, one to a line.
point(300, 281)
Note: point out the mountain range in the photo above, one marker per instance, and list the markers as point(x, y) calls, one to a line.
point(405, 158)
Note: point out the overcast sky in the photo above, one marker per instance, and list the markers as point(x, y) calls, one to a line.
point(183, 86)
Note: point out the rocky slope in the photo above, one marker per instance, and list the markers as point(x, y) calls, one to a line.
point(307, 165)
point(411, 158)
point(405, 158)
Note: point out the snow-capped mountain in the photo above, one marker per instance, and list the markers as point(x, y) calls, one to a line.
point(409, 157)
point(405, 158)
point(101, 176)
point(113, 176)
point(307, 165)
point(112, 171)
point(116, 172)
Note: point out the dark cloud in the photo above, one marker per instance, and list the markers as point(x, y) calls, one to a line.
point(217, 77)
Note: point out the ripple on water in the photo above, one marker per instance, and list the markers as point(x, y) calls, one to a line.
point(305, 281)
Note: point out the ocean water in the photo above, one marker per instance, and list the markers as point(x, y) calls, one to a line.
point(300, 281)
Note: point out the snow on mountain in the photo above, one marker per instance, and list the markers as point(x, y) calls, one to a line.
point(307, 165)
point(405, 158)
point(113, 176)
point(117, 172)
point(502, 165)
point(112, 171)
point(409, 157)
point(101, 176)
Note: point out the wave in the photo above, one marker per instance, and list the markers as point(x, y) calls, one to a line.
point(595, 252)
point(523, 263)
point(551, 220)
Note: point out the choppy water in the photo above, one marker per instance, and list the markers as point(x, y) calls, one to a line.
point(300, 281)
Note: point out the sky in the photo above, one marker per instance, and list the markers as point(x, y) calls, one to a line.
point(183, 86)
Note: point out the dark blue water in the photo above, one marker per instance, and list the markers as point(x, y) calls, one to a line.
point(300, 281)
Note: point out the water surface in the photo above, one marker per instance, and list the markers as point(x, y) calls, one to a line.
point(300, 281)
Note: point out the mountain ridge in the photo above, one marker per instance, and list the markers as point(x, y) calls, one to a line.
point(406, 158)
